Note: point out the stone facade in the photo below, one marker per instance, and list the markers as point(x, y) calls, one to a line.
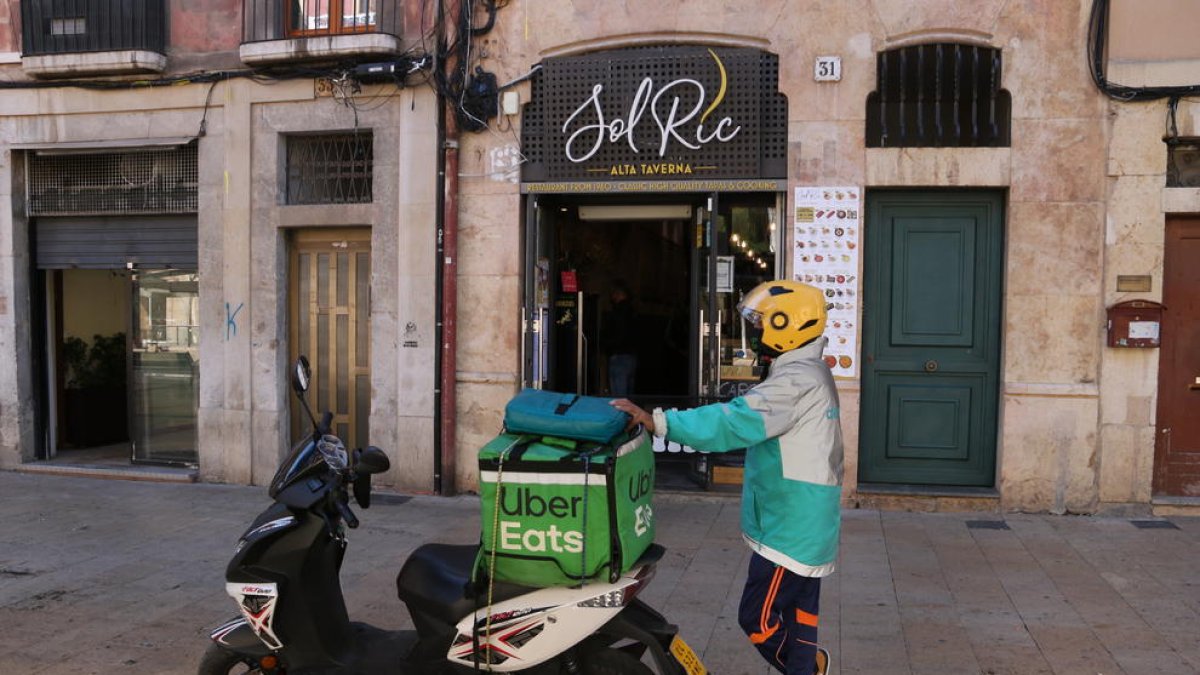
point(243, 225)
point(1083, 177)
point(1084, 180)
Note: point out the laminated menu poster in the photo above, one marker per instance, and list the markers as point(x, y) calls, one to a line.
point(825, 254)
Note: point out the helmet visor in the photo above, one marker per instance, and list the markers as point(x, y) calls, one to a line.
point(751, 306)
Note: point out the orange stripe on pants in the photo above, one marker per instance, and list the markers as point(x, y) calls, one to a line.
point(765, 632)
point(805, 619)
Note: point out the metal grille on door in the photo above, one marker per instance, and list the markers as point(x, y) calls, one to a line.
point(329, 298)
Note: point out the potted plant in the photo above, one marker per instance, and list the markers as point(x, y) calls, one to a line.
point(95, 390)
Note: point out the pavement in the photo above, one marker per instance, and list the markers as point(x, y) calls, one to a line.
point(110, 576)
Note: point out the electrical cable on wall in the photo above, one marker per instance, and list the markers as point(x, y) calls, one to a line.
point(473, 90)
point(1096, 46)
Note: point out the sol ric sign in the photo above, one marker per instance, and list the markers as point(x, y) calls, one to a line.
point(672, 113)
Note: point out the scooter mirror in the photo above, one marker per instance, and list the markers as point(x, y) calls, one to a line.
point(301, 375)
point(372, 460)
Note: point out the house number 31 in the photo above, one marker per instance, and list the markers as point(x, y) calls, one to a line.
point(828, 69)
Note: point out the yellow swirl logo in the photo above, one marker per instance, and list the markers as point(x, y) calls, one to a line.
point(720, 91)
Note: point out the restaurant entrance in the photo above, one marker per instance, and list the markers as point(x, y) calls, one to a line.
point(637, 298)
point(653, 178)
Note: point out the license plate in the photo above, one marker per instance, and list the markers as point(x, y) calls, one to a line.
point(686, 657)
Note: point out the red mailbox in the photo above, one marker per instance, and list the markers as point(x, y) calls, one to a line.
point(1135, 323)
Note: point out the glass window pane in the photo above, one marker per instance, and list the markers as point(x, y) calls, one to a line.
point(342, 344)
point(362, 309)
point(343, 279)
point(164, 390)
point(322, 364)
point(323, 280)
point(362, 404)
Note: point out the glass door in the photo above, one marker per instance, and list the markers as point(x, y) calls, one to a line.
point(164, 366)
point(329, 308)
point(535, 310)
point(736, 244)
point(708, 266)
point(746, 253)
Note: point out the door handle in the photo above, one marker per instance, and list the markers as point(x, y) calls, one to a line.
point(931, 366)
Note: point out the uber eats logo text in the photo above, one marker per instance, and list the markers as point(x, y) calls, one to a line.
point(536, 531)
point(524, 501)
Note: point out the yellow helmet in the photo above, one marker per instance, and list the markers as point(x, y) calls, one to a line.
point(790, 314)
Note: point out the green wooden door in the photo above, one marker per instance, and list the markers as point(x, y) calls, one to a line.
point(931, 338)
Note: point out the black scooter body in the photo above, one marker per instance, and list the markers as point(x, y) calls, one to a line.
point(434, 584)
point(310, 617)
point(298, 544)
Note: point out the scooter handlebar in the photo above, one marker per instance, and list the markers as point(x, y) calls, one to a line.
point(326, 420)
point(347, 515)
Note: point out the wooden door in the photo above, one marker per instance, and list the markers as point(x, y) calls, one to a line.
point(330, 317)
point(1177, 451)
point(931, 338)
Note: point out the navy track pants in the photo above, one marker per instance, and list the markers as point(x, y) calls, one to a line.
point(779, 613)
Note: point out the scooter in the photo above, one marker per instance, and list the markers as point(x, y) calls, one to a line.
point(284, 577)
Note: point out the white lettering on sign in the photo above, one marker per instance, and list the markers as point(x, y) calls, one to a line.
point(513, 538)
point(643, 517)
point(664, 106)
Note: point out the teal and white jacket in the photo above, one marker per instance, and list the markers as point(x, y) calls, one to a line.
point(792, 484)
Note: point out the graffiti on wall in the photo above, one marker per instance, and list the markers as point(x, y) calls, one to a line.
point(231, 319)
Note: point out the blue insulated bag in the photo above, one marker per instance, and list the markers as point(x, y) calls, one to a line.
point(549, 413)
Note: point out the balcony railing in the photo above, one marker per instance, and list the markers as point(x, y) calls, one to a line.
point(290, 19)
point(76, 26)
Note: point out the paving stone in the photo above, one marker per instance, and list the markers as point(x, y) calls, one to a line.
point(105, 577)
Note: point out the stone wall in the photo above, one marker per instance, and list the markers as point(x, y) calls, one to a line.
point(1139, 204)
point(242, 224)
point(1061, 208)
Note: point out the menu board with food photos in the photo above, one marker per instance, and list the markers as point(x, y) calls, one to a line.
point(825, 254)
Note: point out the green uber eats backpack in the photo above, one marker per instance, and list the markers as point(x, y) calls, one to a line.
point(557, 510)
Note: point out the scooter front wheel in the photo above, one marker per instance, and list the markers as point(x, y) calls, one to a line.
point(219, 661)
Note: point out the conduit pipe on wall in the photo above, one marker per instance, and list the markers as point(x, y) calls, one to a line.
point(445, 443)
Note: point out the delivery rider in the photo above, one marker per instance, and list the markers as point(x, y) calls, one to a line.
point(789, 425)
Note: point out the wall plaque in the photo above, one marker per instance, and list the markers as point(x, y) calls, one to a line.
point(1133, 283)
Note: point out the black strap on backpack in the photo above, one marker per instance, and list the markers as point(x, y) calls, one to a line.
point(565, 404)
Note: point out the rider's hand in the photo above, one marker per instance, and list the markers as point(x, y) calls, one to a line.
point(636, 415)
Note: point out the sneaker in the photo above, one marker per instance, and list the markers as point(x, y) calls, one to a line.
point(822, 661)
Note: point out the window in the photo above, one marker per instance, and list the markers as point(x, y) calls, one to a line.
point(74, 26)
point(330, 168)
point(941, 94)
point(287, 31)
point(136, 181)
point(1183, 162)
point(331, 17)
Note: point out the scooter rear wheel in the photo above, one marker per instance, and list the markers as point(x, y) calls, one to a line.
point(614, 662)
point(218, 661)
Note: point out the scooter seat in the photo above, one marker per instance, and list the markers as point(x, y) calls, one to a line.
point(436, 581)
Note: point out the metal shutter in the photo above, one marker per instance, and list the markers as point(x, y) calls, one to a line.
point(110, 242)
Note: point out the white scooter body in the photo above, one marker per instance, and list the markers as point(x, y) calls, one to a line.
point(558, 617)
